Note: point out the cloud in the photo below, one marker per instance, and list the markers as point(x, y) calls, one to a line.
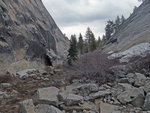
point(74, 16)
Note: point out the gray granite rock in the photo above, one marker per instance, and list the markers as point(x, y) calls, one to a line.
point(139, 79)
point(29, 35)
point(86, 89)
point(47, 96)
point(146, 105)
point(134, 95)
point(27, 106)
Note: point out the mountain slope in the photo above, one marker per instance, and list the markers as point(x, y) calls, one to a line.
point(29, 36)
point(134, 31)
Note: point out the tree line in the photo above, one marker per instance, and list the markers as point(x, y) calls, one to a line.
point(80, 45)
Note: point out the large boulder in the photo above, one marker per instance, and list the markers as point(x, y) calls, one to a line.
point(29, 36)
point(86, 89)
point(134, 96)
point(70, 99)
point(27, 106)
point(139, 79)
point(47, 96)
point(146, 105)
point(147, 86)
point(108, 108)
point(98, 94)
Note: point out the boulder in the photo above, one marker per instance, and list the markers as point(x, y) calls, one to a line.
point(47, 95)
point(123, 86)
point(119, 88)
point(108, 108)
point(139, 79)
point(86, 89)
point(73, 99)
point(147, 86)
point(120, 70)
point(99, 94)
point(43, 108)
point(134, 95)
point(130, 77)
point(70, 99)
point(146, 105)
point(27, 106)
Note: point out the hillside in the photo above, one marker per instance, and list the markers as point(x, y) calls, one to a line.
point(135, 30)
point(29, 36)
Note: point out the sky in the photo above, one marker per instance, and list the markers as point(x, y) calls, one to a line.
point(74, 16)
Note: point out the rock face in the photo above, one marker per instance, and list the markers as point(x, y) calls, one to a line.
point(134, 31)
point(29, 36)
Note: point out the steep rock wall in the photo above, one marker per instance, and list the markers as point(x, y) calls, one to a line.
point(135, 30)
point(29, 36)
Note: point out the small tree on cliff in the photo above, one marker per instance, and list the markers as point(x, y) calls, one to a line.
point(72, 52)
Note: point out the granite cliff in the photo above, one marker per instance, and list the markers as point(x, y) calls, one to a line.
point(135, 30)
point(29, 37)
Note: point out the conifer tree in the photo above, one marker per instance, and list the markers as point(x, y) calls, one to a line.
point(109, 29)
point(99, 41)
point(93, 44)
point(72, 52)
point(88, 37)
point(122, 19)
point(117, 23)
point(80, 44)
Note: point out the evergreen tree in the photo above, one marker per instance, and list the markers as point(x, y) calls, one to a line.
point(89, 34)
point(93, 44)
point(99, 41)
point(80, 44)
point(104, 39)
point(109, 29)
point(85, 47)
point(117, 23)
point(72, 52)
point(122, 19)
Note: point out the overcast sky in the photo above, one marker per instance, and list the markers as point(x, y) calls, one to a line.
point(74, 16)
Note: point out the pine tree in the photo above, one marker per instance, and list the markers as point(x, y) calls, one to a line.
point(99, 41)
point(72, 52)
point(93, 44)
point(109, 29)
point(80, 44)
point(117, 23)
point(122, 19)
point(88, 37)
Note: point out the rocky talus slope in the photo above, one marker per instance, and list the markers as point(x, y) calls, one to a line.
point(46, 91)
point(135, 30)
point(29, 36)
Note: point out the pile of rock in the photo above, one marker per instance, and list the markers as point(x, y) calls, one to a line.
point(130, 94)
